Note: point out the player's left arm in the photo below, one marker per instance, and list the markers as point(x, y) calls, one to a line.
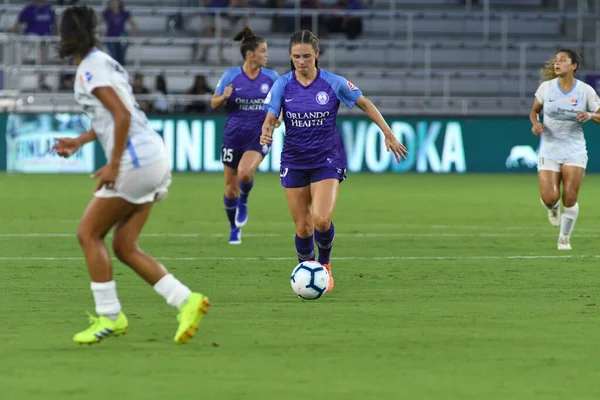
point(593, 106)
point(585, 116)
point(391, 142)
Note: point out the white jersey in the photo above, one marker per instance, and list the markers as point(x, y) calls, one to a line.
point(563, 138)
point(144, 146)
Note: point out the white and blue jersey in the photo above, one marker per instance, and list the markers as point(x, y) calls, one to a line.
point(144, 145)
point(312, 138)
point(563, 138)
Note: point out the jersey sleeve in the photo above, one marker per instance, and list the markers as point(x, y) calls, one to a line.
point(273, 101)
point(225, 80)
point(345, 91)
point(272, 74)
point(542, 92)
point(94, 74)
point(592, 100)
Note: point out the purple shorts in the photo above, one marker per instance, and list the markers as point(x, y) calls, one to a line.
point(297, 178)
point(231, 157)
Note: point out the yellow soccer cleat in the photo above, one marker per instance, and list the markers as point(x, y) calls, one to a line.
point(189, 317)
point(102, 327)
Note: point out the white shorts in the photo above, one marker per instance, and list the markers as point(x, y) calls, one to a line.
point(141, 185)
point(548, 164)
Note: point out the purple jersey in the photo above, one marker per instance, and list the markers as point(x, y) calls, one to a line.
point(245, 106)
point(312, 138)
point(39, 20)
point(115, 22)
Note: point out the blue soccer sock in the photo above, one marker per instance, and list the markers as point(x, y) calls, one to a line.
point(305, 248)
point(325, 244)
point(230, 207)
point(245, 189)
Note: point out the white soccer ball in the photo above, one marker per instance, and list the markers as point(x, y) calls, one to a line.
point(309, 280)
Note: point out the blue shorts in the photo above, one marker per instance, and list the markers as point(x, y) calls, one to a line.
point(231, 157)
point(297, 178)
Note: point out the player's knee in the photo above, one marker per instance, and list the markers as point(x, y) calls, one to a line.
point(123, 249)
point(83, 236)
point(321, 222)
point(550, 198)
point(304, 228)
point(245, 175)
point(569, 198)
point(232, 190)
point(87, 236)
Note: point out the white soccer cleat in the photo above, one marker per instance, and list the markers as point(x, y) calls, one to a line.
point(564, 243)
point(553, 213)
point(554, 216)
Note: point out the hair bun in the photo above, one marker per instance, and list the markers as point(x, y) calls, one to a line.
point(244, 34)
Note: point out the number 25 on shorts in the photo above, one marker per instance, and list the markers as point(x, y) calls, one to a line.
point(227, 155)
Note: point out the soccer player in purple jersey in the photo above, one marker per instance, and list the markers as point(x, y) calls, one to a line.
point(313, 160)
point(243, 91)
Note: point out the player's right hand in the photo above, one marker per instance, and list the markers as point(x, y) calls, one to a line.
point(228, 90)
point(65, 147)
point(537, 129)
point(267, 134)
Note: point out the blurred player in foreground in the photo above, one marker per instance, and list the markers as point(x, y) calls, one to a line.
point(137, 175)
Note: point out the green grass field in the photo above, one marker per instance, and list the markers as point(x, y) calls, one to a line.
point(447, 287)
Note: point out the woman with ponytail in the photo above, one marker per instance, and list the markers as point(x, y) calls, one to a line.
point(136, 175)
point(566, 103)
point(243, 90)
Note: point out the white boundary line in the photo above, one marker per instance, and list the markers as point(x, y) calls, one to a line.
point(396, 226)
point(499, 257)
point(366, 235)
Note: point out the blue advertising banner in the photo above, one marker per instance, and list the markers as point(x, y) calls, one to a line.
point(30, 137)
point(436, 145)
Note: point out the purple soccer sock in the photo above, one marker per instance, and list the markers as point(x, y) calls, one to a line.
point(305, 248)
point(325, 244)
point(230, 207)
point(245, 189)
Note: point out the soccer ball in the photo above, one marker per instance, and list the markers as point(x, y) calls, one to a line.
point(309, 280)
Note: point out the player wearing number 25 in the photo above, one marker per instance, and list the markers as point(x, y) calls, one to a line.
point(243, 91)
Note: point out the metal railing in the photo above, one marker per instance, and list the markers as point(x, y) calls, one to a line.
point(486, 16)
point(13, 48)
point(390, 105)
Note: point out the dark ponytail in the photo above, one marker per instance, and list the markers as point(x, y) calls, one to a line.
point(249, 40)
point(77, 31)
point(304, 37)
